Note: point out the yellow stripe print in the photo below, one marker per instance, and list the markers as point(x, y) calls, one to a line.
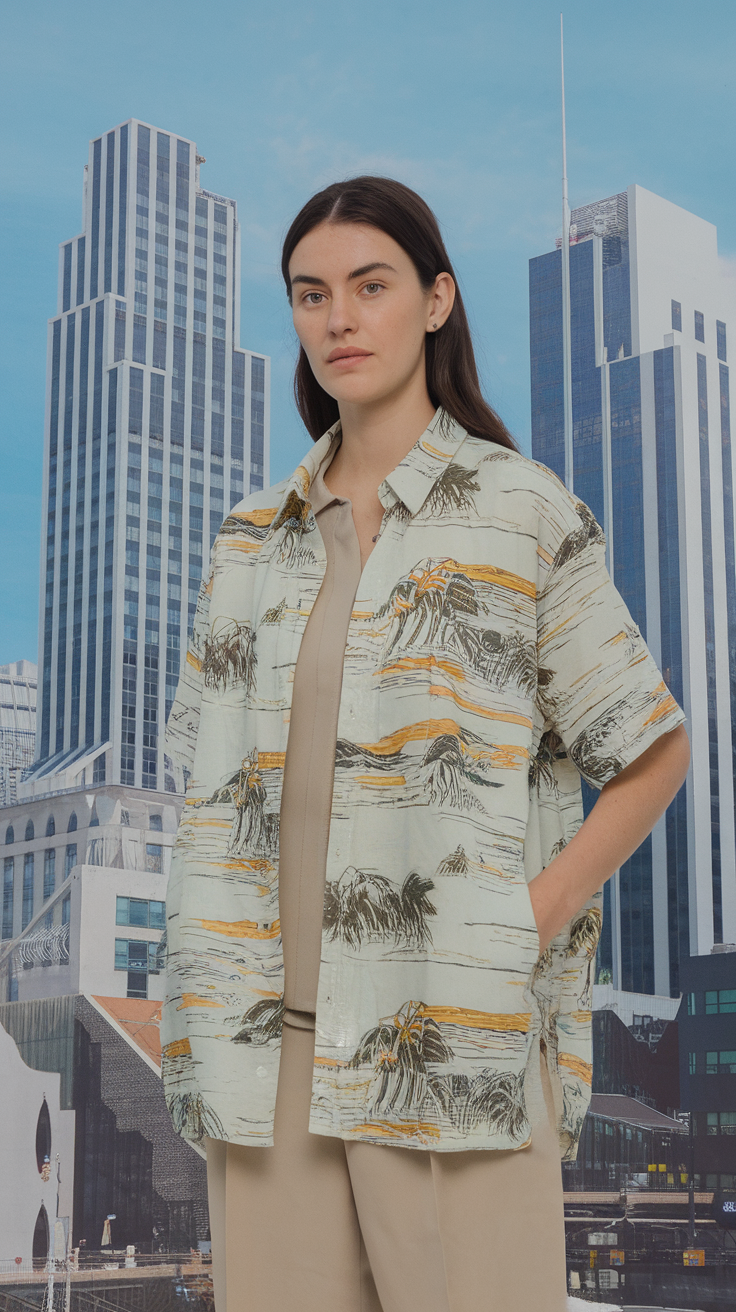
point(179, 1048)
point(258, 518)
point(576, 1066)
point(193, 1000)
point(241, 928)
point(480, 1020)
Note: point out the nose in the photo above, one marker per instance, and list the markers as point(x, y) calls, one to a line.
point(342, 317)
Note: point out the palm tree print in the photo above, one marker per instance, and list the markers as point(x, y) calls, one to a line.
point(447, 768)
point(541, 766)
point(399, 1049)
point(361, 907)
point(240, 525)
point(261, 1022)
point(230, 657)
point(576, 541)
point(255, 830)
point(584, 935)
point(295, 518)
point(588, 749)
point(452, 491)
point(351, 756)
point(194, 1118)
point(456, 863)
point(433, 606)
point(403, 1048)
point(496, 1100)
point(426, 603)
point(274, 614)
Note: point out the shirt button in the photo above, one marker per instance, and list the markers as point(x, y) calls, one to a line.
point(262, 1072)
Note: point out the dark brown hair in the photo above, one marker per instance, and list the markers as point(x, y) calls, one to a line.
point(452, 375)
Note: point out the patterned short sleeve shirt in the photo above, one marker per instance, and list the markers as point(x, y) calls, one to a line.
point(490, 663)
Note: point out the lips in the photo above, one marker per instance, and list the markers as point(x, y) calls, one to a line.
point(335, 358)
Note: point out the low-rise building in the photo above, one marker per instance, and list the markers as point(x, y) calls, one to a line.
point(707, 1024)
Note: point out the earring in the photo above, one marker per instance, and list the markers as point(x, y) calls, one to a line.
point(434, 325)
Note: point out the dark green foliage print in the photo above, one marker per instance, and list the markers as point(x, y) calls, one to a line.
point(261, 1022)
point(361, 906)
point(229, 657)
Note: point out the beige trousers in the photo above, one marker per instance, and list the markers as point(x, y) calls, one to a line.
point(320, 1224)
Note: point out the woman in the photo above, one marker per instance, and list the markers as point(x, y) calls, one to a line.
point(384, 905)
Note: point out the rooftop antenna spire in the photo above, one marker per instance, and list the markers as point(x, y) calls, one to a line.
point(566, 333)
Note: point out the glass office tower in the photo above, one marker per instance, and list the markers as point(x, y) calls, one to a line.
point(651, 456)
point(157, 423)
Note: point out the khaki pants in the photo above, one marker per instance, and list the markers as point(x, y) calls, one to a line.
point(320, 1224)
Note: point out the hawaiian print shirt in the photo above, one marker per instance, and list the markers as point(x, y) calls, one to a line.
point(490, 662)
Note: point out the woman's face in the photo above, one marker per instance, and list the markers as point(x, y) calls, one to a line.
point(355, 289)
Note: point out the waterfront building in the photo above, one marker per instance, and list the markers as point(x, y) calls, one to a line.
point(649, 451)
point(17, 725)
point(157, 422)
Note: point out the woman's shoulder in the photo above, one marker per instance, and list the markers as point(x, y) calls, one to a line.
point(265, 500)
point(533, 489)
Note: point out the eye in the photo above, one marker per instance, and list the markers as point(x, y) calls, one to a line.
point(373, 284)
point(306, 298)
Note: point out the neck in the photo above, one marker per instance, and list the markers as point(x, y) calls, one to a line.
point(376, 437)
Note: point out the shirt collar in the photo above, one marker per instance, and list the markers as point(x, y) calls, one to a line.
point(410, 482)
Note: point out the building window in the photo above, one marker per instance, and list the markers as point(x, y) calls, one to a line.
point(720, 1000)
point(30, 832)
point(49, 872)
point(677, 316)
point(721, 340)
point(70, 859)
point(72, 823)
point(691, 1004)
point(155, 821)
point(124, 816)
point(8, 890)
point(139, 959)
point(50, 827)
point(141, 912)
point(10, 834)
point(699, 327)
point(154, 858)
point(66, 910)
point(692, 1064)
point(721, 1122)
point(28, 872)
point(720, 1063)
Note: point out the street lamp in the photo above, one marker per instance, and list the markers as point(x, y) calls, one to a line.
point(688, 1118)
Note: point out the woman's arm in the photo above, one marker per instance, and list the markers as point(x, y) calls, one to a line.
point(627, 810)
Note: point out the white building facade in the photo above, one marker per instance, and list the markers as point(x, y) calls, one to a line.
point(84, 888)
point(652, 322)
point(157, 423)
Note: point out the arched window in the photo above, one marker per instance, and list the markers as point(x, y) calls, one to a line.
point(10, 834)
point(30, 831)
point(94, 818)
point(72, 823)
point(43, 1136)
point(40, 1239)
point(50, 827)
point(155, 822)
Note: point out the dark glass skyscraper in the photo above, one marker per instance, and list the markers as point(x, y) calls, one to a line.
point(157, 423)
point(651, 456)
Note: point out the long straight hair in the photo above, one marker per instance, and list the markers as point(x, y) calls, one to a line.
point(452, 375)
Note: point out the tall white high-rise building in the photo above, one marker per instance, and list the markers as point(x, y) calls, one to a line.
point(650, 318)
point(157, 423)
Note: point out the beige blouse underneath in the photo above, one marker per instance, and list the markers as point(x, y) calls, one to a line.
point(306, 800)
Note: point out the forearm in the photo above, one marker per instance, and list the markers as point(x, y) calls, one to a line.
point(627, 810)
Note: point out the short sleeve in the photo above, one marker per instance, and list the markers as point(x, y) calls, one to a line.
point(599, 687)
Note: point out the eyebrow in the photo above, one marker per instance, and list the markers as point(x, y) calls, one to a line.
point(357, 273)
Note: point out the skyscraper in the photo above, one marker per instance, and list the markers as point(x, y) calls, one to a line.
point(651, 456)
point(157, 423)
point(17, 725)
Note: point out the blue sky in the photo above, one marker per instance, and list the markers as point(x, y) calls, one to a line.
point(459, 101)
